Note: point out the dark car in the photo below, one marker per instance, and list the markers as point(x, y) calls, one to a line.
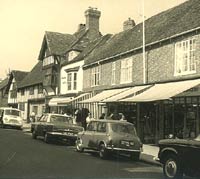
point(179, 157)
point(108, 136)
point(55, 127)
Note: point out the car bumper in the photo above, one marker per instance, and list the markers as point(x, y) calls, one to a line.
point(115, 149)
point(156, 159)
point(62, 136)
point(13, 125)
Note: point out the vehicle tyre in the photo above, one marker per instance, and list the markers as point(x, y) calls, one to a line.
point(46, 138)
point(103, 153)
point(135, 156)
point(34, 136)
point(172, 168)
point(78, 146)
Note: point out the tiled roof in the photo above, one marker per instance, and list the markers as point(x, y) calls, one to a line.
point(19, 75)
point(90, 47)
point(167, 24)
point(58, 42)
point(4, 83)
point(34, 77)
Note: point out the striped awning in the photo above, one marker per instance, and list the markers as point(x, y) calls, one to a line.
point(104, 95)
point(163, 91)
point(130, 92)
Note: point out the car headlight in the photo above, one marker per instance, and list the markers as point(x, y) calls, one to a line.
point(132, 143)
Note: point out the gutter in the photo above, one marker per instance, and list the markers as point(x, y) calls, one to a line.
point(150, 44)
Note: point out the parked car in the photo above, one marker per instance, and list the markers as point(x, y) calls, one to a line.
point(10, 117)
point(107, 136)
point(179, 157)
point(55, 127)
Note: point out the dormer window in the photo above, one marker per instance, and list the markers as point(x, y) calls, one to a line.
point(48, 60)
point(72, 55)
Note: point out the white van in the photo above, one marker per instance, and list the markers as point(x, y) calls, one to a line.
point(10, 117)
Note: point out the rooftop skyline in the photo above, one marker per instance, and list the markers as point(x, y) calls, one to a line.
point(25, 22)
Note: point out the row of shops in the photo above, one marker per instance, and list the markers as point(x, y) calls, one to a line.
point(156, 110)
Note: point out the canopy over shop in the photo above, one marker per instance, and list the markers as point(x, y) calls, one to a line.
point(163, 109)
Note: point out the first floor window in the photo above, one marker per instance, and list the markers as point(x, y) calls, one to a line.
point(126, 70)
point(113, 75)
point(95, 81)
point(72, 81)
point(31, 90)
point(185, 57)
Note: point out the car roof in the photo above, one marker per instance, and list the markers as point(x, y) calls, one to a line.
point(9, 108)
point(112, 121)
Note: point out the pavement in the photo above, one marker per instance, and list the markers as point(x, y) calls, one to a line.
point(149, 151)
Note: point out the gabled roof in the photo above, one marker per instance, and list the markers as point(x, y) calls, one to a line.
point(4, 83)
point(89, 48)
point(19, 75)
point(57, 43)
point(34, 77)
point(160, 27)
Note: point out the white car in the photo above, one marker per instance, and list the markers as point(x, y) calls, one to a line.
point(10, 117)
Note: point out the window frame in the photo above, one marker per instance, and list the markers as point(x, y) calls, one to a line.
point(95, 76)
point(72, 82)
point(185, 57)
point(126, 70)
point(113, 73)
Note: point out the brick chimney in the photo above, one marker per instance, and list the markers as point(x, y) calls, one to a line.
point(92, 22)
point(128, 24)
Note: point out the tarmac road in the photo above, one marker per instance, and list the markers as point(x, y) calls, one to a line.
point(23, 157)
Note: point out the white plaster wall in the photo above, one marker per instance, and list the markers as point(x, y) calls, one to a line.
point(63, 82)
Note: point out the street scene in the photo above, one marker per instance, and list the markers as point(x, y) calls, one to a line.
point(23, 157)
point(83, 101)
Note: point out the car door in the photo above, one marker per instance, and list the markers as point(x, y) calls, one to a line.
point(88, 135)
point(100, 134)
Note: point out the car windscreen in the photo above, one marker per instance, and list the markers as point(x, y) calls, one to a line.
point(60, 119)
point(123, 128)
point(12, 112)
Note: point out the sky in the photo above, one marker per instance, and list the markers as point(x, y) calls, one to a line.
point(24, 22)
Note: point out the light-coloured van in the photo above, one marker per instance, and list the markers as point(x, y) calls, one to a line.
point(10, 117)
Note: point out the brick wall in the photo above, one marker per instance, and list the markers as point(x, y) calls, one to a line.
point(160, 62)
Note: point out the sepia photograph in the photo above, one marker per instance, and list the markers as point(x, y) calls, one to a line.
point(100, 89)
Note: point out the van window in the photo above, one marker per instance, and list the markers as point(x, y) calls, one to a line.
point(92, 126)
point(101, 127)
point(12, 112)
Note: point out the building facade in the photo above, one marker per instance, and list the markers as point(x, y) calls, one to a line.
point(171, 60)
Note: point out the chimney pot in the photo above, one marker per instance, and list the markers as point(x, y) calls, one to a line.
point(128, 24)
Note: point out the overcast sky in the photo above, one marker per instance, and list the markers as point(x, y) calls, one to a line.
point(23, 23)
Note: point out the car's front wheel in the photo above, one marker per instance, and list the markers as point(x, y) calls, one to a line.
point(79, 148)
point(172, 168)
point(103, 153)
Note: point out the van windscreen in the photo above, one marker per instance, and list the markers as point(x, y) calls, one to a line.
point(12, 112)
